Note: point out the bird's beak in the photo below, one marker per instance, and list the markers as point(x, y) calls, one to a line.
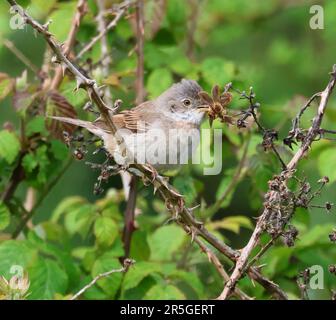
point(203, 108)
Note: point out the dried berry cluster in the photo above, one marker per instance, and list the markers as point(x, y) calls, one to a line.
point(218, 103)
point(280, 205)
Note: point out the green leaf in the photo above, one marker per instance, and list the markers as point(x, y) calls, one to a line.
point(109, 284)
point(222, 188)
point(277, 260)
point(80, 220)
point(138, 272)
point(43, 162)
point(61, 255)
point(139, 246)
point(15, 253)
point(62, 19)
point(29, 162)
point(4, 216)
point(138, 292)
point(191, 279)
point(46, 279)
point(39, 160)
point(158, 81)
point(36, 125)
point(233, 223)
point(165, 241)
point(105, 230)
point(167, 292)
point(66, 206)
point(39, 8)
point(6, 85)
point(185, 185)
point(156, 57)
point(325, 163)
point(9, 146)
point(317, 235)
point(217, 71)
point(176, 13)
point(59, 150)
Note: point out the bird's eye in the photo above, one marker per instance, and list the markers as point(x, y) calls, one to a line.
point(186, 102)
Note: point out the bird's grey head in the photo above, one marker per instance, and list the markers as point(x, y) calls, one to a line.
point(184, 92)
point(182, 101)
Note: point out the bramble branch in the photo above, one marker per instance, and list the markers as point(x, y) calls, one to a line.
point(140, 96)
point(120, 11)
point(274, 195)
point(127, 263)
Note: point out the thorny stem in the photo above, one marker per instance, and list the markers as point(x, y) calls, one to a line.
point(140, 95)
point(167, 192)
point(127, 263)
point(140, 32)
point(309, 139)
point(70, 41)
point(251, 112)
point(219, 267)
point(105, 52)
point(120, 11)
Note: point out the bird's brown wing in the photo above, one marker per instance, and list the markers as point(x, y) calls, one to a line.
point(136, 119)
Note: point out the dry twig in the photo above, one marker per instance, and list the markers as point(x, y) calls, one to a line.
point(273, 194)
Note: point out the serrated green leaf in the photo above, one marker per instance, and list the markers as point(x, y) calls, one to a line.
point(138, 272)
point(46, 279)
point(110, 284)
point(29, 162)
point(105, 230)
point(15, 253)
point(9, 146)
point(165, 241)
point(167, 292)
point(62, 256)
point(67, 205)
point(4, 216)
point(79, 220)
point(43, 162)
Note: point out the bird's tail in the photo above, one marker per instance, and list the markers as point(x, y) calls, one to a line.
point(84, 124)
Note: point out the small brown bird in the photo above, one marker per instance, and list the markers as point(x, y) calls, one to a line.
point(163, 132)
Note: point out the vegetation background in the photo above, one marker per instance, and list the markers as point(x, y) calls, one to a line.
point(75, 235)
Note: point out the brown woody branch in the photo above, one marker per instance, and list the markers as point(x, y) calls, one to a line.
point(313, 131)
point(120, 11)
point(126, 264)
point(82, 9)
point(140, 96)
